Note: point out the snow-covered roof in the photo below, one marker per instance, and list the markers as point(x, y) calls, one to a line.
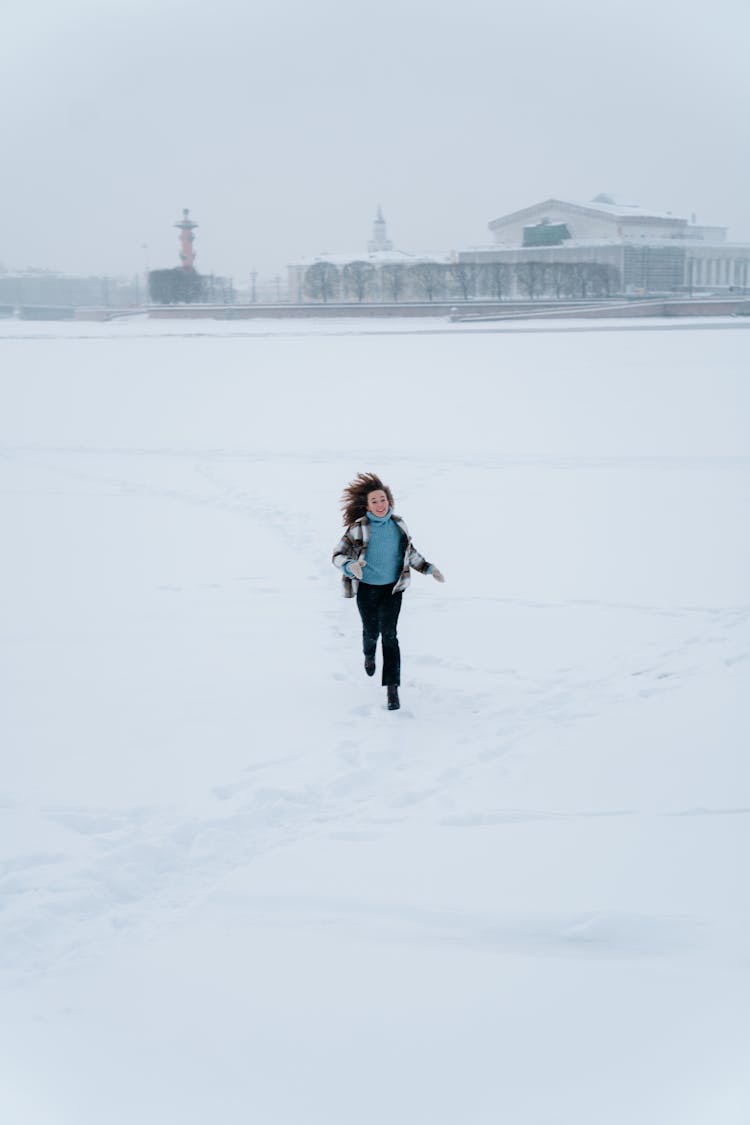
point(625, 210)
point(613, 210)
point(375, 258)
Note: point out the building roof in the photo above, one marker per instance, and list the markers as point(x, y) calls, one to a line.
point(597, 207)
point(627, 210)
point(376, 258)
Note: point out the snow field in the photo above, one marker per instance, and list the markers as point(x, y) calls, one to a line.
point(232, 884)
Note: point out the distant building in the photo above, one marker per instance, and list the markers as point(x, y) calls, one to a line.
point(26, 290)
point(380, 240)
point(556, 249)
point(382, 274)
point(634, 250)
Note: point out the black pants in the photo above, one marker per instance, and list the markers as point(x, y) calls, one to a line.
point(379, 609)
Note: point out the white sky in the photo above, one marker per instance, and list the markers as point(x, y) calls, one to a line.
point(283, 124)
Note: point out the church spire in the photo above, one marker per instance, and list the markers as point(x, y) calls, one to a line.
point(379, 240)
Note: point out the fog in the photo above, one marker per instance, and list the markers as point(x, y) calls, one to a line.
point(283, 125)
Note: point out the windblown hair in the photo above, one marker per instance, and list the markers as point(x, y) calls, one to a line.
point(354, 496)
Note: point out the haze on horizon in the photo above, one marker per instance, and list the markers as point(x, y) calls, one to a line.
point(283, 125)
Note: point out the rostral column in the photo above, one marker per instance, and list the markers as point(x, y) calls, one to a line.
point(187, 238)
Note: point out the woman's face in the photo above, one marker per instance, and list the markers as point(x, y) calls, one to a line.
point(377, 502)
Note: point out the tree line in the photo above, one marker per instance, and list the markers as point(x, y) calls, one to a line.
point(180, 286)
point(465, 281)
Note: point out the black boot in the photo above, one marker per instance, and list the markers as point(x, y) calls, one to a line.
point(393, 703)
point(370, 665)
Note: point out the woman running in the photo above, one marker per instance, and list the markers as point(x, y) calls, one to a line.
point(376, 554)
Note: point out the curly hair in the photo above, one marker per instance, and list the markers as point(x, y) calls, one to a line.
point(354, 496)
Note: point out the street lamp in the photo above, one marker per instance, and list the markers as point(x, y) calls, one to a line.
point(146, 295)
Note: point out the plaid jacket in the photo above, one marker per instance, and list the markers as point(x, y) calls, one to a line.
point(352, 547)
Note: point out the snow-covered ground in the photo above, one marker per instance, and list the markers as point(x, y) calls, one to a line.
point(233, 887)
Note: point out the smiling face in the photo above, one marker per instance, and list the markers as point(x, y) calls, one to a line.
point(377, 503)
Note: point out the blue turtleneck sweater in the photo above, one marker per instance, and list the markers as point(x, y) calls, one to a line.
point(384, 551)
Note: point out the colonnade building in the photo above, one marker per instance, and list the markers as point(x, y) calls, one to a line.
point(382, 274)
point(643, 251)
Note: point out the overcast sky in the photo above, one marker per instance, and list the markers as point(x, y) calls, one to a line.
point(283, 124)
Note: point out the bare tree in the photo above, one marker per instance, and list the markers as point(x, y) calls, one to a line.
point(429, 279)
point(579, 271)
point(560, 279)
point(322, 281)
point(357, 278)
point(463, 275)
point(180, 285)
point(583, 278)
point(531, 278)
point(495, 279)
point(605, 280)
point(394, 276)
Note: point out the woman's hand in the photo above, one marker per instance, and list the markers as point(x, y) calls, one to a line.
point(355, 569)
point(437, 574)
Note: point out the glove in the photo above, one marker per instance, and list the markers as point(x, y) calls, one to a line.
point(355, 569)
point(437, 575)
